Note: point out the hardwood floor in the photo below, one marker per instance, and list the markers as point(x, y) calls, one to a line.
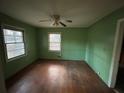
point(50, 76)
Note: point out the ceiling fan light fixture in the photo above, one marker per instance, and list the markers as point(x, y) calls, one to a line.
point(57, 21)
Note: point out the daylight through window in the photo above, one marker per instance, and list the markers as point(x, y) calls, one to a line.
point(55, 42)
point(14, 43)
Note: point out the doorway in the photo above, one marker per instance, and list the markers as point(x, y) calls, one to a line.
point(118, 42)
point(120, 76)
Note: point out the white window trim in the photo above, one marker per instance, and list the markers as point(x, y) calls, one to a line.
point(5, 26)
point(59, 51)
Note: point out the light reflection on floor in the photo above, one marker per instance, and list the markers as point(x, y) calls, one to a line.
point(56, 72)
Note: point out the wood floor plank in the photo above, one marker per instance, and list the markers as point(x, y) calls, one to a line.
point(53, 76)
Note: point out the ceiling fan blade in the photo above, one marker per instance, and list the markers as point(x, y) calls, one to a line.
point(70, 21)
point(47, 20)
point(63, 24)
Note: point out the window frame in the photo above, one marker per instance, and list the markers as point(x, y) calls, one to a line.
point(18, 29)
point(59, 51)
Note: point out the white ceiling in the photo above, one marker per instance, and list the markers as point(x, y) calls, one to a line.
point(83, 13)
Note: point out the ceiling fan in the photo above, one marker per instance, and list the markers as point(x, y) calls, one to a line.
point(56, 21)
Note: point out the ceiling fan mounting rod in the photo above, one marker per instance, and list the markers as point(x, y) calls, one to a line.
point(57, 20)
point(56, 17)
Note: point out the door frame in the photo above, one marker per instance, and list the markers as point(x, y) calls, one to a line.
point(2, 81)
point(119, 34)
point(2, 78)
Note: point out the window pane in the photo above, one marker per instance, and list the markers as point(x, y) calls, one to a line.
point(17, 33)
point(9, 39)
point(54, 38)
point(12, 54)
point(12, 36)
point(19, 52)
point(19, 39)
point(55, 42)
point(8, 32)
point(55, 46)
point(17, 46)
point(14, 43)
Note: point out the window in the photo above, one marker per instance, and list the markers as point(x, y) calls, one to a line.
point(55, 42)
point(14, 43)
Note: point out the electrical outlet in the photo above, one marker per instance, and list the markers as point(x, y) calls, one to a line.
point(98, 73)
point(58, 56)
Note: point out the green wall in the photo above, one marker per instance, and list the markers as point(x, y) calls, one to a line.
point(100, 43)
point(30, 37)
point(94, 43)
point(73, 43)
